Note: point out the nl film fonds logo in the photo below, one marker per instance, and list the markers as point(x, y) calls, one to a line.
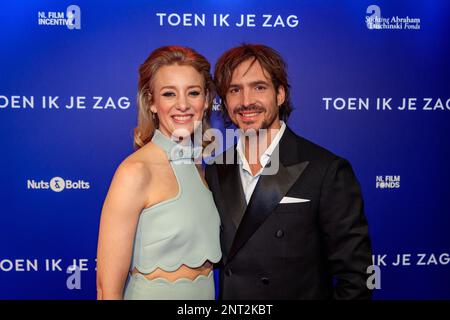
point(58, 184)
point(388, 182)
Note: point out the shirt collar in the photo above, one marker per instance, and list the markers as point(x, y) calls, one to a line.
point(265, 157)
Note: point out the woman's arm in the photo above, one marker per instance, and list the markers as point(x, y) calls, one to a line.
point(125, 200)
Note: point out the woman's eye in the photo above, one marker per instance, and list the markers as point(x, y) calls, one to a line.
point(168, 94)
point(194, 93)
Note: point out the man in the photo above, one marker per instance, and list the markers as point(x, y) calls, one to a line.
point(296, 233)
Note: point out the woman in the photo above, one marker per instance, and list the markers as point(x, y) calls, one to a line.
point(159, 229)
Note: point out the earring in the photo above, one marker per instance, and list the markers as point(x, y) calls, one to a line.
point(155, 119)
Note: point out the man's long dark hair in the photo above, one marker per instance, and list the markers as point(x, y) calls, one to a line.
point(269, 59)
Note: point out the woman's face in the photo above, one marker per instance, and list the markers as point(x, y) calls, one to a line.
point(179, 99)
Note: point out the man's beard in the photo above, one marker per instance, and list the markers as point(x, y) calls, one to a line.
point(266, 123)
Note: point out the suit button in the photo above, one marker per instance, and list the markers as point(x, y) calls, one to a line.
point(228, 272)
point(265, 280)
point(279, 234)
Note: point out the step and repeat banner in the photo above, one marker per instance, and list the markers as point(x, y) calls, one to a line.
point(370, 81)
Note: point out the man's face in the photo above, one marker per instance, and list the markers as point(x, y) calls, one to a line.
point(252, 101)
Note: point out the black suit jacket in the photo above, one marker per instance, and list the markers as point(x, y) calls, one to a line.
point(318, 249)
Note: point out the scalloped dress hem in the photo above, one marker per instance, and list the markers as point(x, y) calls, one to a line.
point(138, 287)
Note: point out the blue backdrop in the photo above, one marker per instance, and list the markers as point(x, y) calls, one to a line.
point(352, 66)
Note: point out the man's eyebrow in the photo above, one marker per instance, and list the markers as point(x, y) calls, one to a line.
point(253, 83)
point(258, 82)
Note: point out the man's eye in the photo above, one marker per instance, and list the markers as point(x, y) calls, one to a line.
point(234, 90)
point(168, 94)
point(194, 93)
point(260, 88)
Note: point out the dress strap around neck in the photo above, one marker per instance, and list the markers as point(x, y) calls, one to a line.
point(174, 150)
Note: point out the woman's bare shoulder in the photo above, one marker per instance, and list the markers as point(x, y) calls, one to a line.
point(139, 166)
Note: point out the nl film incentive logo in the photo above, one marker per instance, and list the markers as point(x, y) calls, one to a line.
point(388, 182)
point(375, 21)
point(58, 184)
point(71, 18)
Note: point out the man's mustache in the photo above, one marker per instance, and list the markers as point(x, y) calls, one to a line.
point(251, 107)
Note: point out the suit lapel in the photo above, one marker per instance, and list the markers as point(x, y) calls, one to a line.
point(269, 191)
point(233, 193)
point(232, 200)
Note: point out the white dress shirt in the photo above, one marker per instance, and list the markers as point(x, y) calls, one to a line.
point(249, 180)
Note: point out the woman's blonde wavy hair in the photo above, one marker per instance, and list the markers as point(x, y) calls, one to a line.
point(165, 56)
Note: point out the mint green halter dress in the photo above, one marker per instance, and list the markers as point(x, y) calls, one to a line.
point(182, 230)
